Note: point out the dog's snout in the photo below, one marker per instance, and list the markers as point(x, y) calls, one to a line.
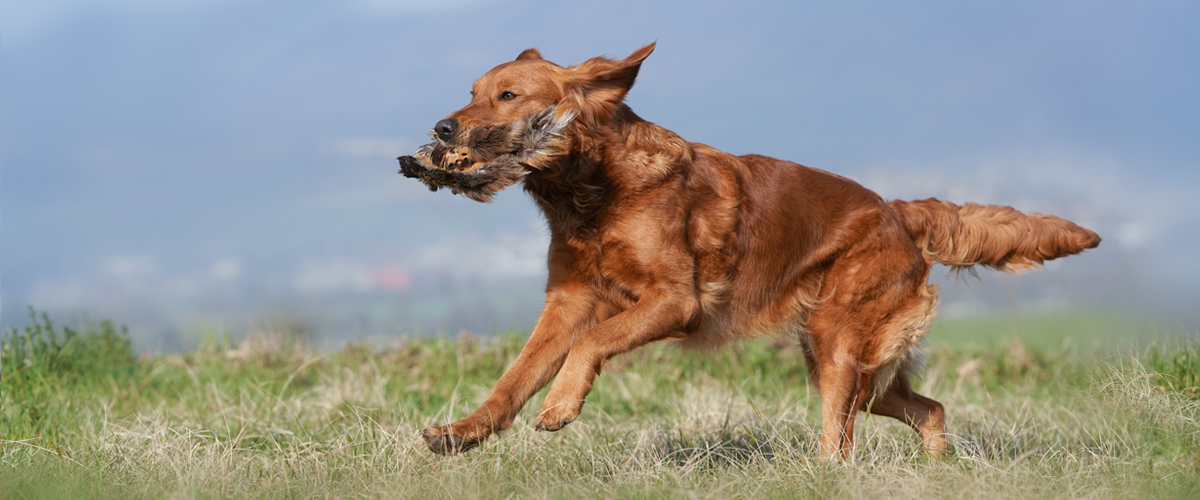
point(445, 129)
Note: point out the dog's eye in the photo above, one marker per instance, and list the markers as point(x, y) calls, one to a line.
point(507, 96)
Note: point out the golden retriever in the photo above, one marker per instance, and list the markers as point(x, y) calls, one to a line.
point(655, 238)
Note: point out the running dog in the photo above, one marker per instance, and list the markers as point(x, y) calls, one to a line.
point(654, 238)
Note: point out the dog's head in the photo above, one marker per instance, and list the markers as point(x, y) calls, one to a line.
point(511, 91)
point(522, 115)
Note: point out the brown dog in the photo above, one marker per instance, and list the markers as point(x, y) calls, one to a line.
point(655, 238)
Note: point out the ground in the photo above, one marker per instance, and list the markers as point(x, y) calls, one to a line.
point(1047, 406)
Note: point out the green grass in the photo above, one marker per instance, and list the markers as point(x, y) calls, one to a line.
point(267, 417)
point(1089, 329)
point(1175, 365)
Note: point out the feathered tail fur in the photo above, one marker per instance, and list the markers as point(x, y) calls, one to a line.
point(995, 236)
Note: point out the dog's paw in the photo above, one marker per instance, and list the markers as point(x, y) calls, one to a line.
point(551, 427)
point(443, 441)
point(553, 419)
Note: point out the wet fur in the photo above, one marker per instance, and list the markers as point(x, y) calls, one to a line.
point(653, 238)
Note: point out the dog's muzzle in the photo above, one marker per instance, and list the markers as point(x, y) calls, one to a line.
point(494, 157)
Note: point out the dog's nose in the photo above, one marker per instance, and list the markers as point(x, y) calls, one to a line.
point(445, 129)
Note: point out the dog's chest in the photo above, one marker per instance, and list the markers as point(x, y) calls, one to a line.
point(651, 248)
point(623, 271)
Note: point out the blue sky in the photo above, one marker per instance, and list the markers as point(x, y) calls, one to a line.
point(215, 159)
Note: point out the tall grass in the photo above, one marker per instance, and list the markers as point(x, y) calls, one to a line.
point(48, 372)
point(1175, 365)
point(268, 417)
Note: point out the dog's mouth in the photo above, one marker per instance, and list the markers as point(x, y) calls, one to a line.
point(493, 157)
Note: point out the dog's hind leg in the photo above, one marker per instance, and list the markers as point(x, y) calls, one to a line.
point(874, 310)
point(841, 384)
point(924, 415)
point(843, 331)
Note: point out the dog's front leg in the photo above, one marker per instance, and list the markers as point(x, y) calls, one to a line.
point(569, 311)
point(656, 316)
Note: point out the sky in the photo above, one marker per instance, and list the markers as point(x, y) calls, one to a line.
point(195, 165)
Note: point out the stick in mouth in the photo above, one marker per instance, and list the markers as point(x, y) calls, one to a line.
point(494, 158)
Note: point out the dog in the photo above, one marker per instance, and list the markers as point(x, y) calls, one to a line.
point(654, 238)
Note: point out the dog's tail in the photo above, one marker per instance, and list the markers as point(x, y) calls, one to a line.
point(994, 236)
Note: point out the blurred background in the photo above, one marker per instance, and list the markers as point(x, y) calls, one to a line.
point(205, 166)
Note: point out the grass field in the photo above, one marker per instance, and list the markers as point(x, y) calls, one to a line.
point(1035, 407)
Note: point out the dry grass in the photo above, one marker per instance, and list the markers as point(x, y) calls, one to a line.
point(271, 419)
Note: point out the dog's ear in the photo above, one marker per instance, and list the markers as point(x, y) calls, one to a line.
point(600, 84)
point(529, 54)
